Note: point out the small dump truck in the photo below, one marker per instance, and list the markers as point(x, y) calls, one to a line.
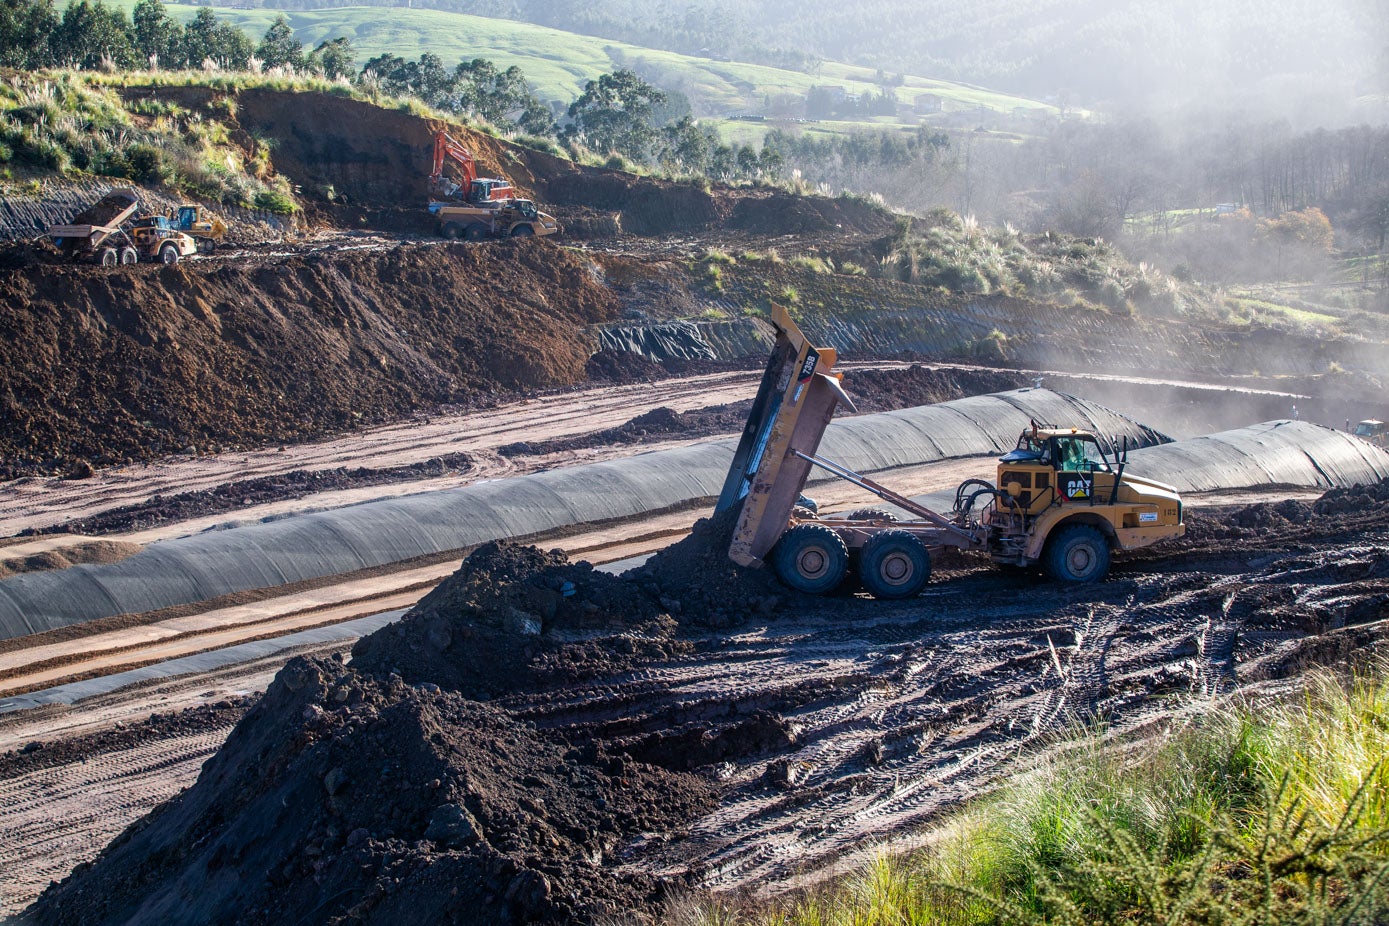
point(101, 235)
point(511, 218)
point(1373, 431)
point(206, 229)
point(1061, 500)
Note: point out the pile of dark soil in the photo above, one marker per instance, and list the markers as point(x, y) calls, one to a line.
point(347, 798)
point(234, 496)
point(655, 425)
point(782, 213)
point(515, 618)
point(107, 365)
point(888, 390)
point(700, 585)
point(622, 366)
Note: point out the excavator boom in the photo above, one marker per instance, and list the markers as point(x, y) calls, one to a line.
point(475, 189)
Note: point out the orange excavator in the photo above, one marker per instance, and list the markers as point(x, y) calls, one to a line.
point(470, 187)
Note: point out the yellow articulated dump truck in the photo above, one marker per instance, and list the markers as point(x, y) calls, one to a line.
point(1060, 501)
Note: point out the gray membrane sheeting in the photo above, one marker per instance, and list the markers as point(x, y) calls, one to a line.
point(312, 546)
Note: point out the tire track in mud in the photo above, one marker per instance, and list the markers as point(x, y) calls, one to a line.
point(58, 817)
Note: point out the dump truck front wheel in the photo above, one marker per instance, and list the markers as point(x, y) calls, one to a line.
point(894, 564)
point(1077, 553)
point(522, 231)
point(811, 558)
point(169, 254)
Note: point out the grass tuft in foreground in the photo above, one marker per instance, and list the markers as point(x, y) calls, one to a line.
point(1248, 813)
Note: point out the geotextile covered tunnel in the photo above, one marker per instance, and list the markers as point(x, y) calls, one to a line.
point(323, 544)
point(313, 546)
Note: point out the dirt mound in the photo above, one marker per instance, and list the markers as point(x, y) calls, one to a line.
point(781, 213)
point(655, 425)
point(622, 366)
point(96, 551)
point(888, 390)
point(346, 798)
point(700, 585)
point(515, 618)
point(645, 206)
point(110, 364)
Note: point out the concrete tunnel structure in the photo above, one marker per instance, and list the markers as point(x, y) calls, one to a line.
point(322, 544)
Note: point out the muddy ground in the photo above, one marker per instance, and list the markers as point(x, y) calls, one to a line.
point(538, 742)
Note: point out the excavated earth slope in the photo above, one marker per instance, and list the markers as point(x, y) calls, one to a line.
point(105, 364)
point(537, 742)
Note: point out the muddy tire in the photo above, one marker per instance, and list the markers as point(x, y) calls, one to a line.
point(522, 231)
point(894, 564)
point(108, 257)
point(452, 231)
point(803, 514)
point(168, 255)
point(129, 256)
point(475, 232)
point(811, 559)
point(871, 514)
point(206, 245)
point(1078, 553)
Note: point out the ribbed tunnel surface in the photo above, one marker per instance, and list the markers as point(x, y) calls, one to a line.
point(313, 546)
point(331, 543)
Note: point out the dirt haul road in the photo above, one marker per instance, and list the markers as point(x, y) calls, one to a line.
point(804, 733)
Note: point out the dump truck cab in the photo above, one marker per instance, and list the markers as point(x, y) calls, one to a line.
point(1063, 478)
point(198, 223)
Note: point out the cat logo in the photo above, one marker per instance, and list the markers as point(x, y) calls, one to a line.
point(1078, 487)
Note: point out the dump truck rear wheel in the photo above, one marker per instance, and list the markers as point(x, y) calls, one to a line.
point(129, 256)
point(871, 514)
point(168, 254)
point(811, 558)
point(1078, 553)
point(109, 257)
point(452, 231)
point(475, 232)
point(894, 564)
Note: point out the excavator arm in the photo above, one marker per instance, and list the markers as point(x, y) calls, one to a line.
point(446, 147)
point(475, 189)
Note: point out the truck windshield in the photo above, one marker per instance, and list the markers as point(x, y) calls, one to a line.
point(1364, 429)
point(1078, 453)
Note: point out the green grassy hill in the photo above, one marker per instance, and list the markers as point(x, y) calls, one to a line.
point(558, 64)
